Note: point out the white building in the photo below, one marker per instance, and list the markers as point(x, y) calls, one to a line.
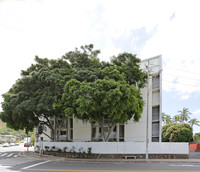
point(77, 131)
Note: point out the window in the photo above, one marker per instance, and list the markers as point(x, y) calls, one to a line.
point(71, 134)
point(71, 122)
point(115, 129)
point(121, 131)
point(93, 132)
point(71, 128)
point(63, 133)
point(156, 82)
point(155, 129)
point(155, 113)
point(155, 139)
point(99, 129)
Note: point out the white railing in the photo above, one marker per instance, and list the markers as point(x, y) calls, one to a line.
point(122, 147)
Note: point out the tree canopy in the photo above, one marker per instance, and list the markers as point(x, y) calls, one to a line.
point(77, 85)
point(30, 100)
point(183, 116)
point(100, 90)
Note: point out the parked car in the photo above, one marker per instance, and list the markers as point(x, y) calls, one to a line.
point(6, 145)
point(26, 144)
point(16, 144)
point(12, 144)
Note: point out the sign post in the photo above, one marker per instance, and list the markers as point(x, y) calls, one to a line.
point(27, 138)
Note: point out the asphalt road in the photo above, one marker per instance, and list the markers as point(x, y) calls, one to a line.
point(111, 167)
point(12, 161)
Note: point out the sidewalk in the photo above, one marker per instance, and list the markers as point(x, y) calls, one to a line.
point(32, 154)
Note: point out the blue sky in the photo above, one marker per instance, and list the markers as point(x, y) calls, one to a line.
point(50, 28)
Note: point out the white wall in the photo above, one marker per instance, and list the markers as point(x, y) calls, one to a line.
point(81, 131)
point(123, 147)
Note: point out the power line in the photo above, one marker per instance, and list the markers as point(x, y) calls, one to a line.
point(182, 70)
point(182, 84)
point(183, 77)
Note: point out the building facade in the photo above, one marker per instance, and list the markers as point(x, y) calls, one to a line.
point(149, 126)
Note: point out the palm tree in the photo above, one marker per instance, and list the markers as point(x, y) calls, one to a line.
point(176, 119)
point(166, 119)
point(193, 122)
point(184, 115)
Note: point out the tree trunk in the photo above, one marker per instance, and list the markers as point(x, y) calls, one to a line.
point(105, 137)
point(102, 130)
point(110, 131)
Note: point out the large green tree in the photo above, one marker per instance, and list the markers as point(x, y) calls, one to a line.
point(30, 100)
point(78, 85)
point(105, 91)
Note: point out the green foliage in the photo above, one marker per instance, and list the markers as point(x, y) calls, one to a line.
point(46, 148)
point(65, 149)
point(177, 133)
point(100, 90)
point(183, 115)
point(59, 150)
point(166, 119)
point(32, 97)
point(77, 84)
point(197, 137)
point(89, 151)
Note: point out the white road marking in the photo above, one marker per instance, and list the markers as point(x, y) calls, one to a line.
point(4, 154)
point(15, 156)
point(30, 166)
point(9, 155)
point(183, 165)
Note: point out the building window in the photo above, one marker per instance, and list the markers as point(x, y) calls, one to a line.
point(71, 122)
point(71, 128)
point(121, 133)
point(155, 113)
point(155, 139)
point(156, 82)
point(71, 134)
point(155, 129)
point(93, 133)
point(63, 133)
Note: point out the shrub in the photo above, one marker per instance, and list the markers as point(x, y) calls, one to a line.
point(65, 149)
point(80, 149)
point(89, 150)
point(177, 133)
point(59, 150)
point(197, 137)
point(46, 148)
point(73, 149)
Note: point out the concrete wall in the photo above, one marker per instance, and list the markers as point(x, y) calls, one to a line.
point(122, 147)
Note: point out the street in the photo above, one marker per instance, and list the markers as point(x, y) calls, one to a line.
point(11, 160)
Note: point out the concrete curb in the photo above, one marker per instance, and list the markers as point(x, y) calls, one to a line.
point(53, 158)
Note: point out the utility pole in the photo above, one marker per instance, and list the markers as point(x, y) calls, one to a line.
point(149, 88)
point(147, 118)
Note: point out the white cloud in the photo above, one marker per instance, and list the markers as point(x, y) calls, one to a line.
point(50, 28)
point(177, 40)
point(197, 112)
